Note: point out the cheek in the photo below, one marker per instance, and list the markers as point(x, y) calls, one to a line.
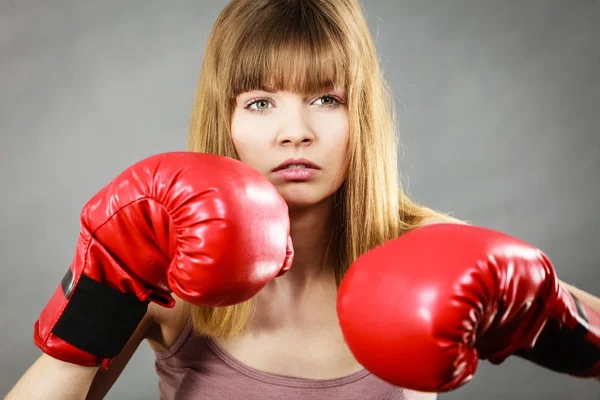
point(342, 142)
point(337, 134)
point(242, 144)
point(246, 139)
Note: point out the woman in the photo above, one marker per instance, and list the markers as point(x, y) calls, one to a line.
point(293, 89)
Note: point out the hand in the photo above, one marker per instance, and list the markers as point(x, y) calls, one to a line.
point(421, 310)
point(206, 227)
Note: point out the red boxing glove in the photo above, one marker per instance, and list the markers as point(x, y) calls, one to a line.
point(421, 310)
point(208, 228)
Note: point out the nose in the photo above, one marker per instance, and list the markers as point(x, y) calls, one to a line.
point(295, 130)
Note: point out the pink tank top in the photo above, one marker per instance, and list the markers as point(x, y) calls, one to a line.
point(197, 368)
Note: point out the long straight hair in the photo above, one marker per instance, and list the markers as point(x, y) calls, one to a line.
point(307, 46)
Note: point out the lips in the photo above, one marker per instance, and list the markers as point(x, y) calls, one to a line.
point(296, 163)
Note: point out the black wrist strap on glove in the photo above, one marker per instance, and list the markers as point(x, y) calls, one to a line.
point(566, 349)
point(98, 319)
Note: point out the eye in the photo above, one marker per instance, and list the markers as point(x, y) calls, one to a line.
point(328, 101)
point(258, 105)
point(261, 104)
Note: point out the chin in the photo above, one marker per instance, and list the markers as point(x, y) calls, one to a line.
point(297, 197)
point(301, 201)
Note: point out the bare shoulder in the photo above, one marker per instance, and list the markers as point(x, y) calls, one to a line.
point(440, 218)
point(167, 324)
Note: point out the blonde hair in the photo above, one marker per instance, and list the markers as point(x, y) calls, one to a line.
point(307, 46)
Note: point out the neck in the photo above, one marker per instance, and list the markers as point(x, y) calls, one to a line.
point(311, 276)
point(310, 229)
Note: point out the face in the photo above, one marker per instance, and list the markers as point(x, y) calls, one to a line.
point(297, 141)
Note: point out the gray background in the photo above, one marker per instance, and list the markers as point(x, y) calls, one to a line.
point(499, 107)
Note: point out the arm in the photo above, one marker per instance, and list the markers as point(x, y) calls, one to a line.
point(161, 328)
point(105, 379)
point(590, 300)
point(49, 378)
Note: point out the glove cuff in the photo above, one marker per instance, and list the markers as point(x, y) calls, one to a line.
point(94, 324)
